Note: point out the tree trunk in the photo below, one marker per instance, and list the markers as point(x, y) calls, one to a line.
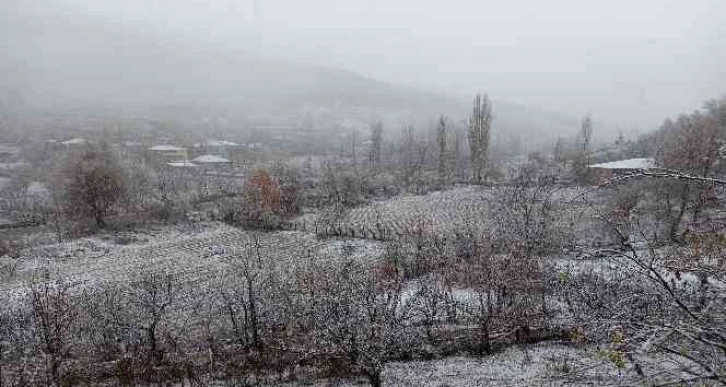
point(153, 344)
point(55, 368)
point(374, 377)
point(676, 221)
point(100, 222)
point(485, 344)
point(696, 214)
point(254, 323)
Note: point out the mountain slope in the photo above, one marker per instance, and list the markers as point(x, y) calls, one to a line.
point(63, 62)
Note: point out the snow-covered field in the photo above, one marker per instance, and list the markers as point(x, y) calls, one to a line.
point(437, 212)
point(463, 209)
point(543, 364)
point(4, 182)
point(192, 253)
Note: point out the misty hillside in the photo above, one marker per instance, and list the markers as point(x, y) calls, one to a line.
point(61, 63)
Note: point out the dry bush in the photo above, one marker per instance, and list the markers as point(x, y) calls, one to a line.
point(505, 293)
point(108, 324)
point(16, 339)
point(525, 214)
point(341, 187)
point(361, 314)
point(644, 300)
point(153, 298)
point(23, 204)
point(418, 251)
point(55, 317)
point(10, 248)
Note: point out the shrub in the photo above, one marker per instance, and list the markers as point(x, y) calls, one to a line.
point(266, 202)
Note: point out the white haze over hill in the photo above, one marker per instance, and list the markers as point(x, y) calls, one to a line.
point(629, 63)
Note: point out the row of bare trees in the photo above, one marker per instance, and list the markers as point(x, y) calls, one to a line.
point(640, 301)
point(94, 183)
point(413, 156)
point(261, 319)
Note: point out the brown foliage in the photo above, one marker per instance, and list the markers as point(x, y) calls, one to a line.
point(93, 183)
point(692, 144)
point(262, 197)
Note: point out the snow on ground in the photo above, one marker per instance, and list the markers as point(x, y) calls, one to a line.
point(195, 254)
point(8, 167)
point(437, 212)
point(353, 248)
point(458, 209)
point(543, 364)
point(4, 181)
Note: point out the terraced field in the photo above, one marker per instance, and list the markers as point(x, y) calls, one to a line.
point(202, 251)
point(194, 255)
point(439, 213)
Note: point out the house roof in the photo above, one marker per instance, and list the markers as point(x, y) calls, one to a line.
point(166, 148)
point(626, 164)
point(9, 149)
point(181, 164)
point(211, 159)
point(216, 143)
point(74, 141)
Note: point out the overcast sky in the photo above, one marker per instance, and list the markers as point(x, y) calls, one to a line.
point(626, 61)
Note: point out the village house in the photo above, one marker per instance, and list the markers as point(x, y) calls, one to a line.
point(168, 153)
point(606, 171)
point(75, 142)
point(211, 160)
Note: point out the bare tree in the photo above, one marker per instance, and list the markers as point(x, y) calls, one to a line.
point(22, 204)
point(153, 297)
point(444, 170)
point(376, 144)
point(414, 151)
point(139, 185)
point(586, 136)
point(341, 187)
point(479, 137)
point(17, 337)
point(525, 214)
point(690, 146)
point(353, 144)
point(457, 158)
point(94, 183)
point(506, 293)
point(558, 151)
point(362, 315)
point(581, 159)
point(656, 309)
point(243, 299)
point(107, 321)
point(55, 316)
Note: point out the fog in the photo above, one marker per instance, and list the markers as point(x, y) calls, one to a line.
point(629, 63)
